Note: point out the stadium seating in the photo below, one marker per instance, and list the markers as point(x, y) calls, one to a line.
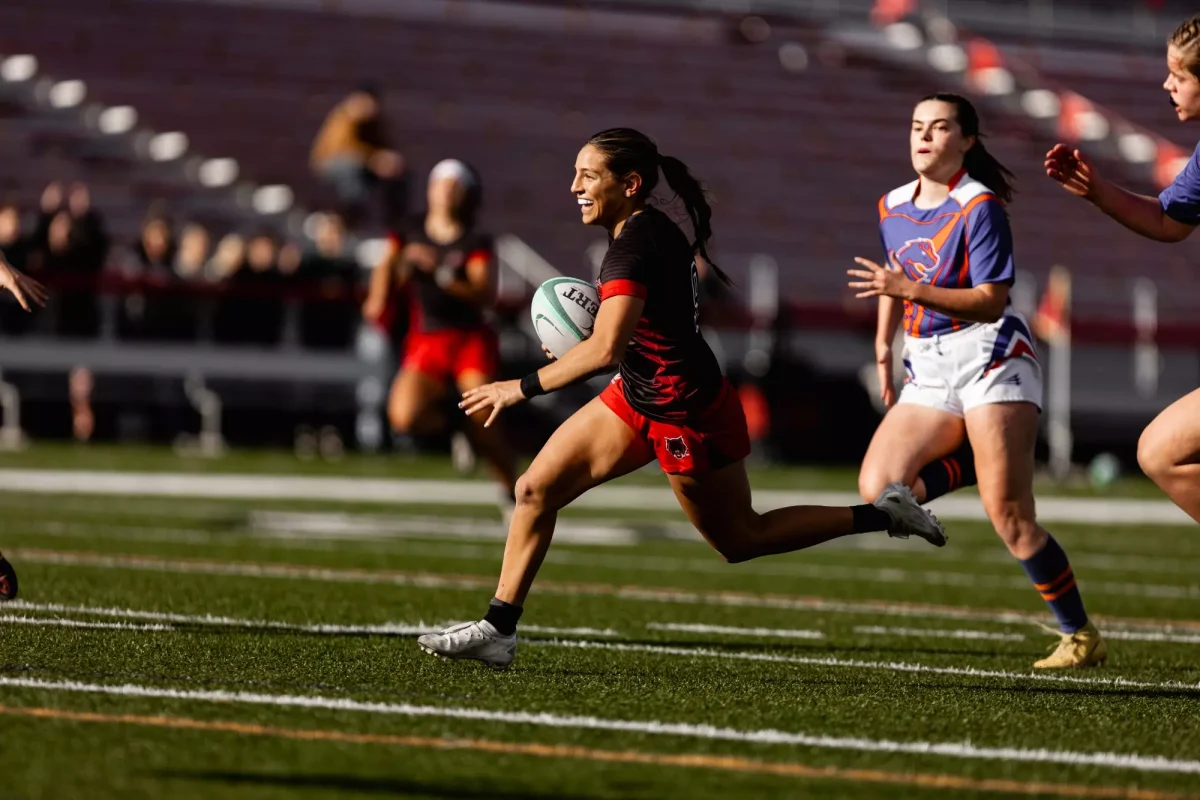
point(796, 159)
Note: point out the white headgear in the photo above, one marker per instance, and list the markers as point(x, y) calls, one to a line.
point(453, 168)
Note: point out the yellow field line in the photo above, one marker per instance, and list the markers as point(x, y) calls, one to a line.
point(632, 592)
point(694, 761)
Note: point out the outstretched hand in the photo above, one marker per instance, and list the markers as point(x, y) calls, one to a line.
point(879, 281)
point(1073, 171)
point(495, 396)
point(23, 287)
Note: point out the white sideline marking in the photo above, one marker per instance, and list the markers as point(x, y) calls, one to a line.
point(937, 633)
point(12, 619)
point(782, 633)
point(889, 666)
point(1152, 636)
point(400, 629)
point(393, 491)
point(965, 750)
point(636, 593)
point(386, 628)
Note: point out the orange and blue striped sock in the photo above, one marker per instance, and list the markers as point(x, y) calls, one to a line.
point(949, 474)
point(1052, 575)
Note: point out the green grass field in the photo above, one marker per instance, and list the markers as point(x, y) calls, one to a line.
point(180, 647)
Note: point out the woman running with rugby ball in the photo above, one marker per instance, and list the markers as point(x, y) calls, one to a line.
point(668, 401)
point(1169, 450)
point(972, 373)
point(448, 266)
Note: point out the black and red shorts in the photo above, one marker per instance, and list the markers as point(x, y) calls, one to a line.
point(716, 438)
point(447, 355)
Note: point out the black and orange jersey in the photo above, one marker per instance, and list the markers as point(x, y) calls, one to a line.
point(669, 373)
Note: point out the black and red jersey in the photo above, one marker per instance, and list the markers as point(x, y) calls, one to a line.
point(669, 373)
point(432, 308)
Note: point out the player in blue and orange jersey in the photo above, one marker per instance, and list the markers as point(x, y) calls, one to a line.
point(669, 401)
point(972, 372)
point(448, 268)
point(1169, 449)
point(27, 291)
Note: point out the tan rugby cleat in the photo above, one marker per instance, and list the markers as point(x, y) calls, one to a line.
point(1083, 648)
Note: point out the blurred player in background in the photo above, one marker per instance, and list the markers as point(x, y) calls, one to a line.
point(972, 373)
point(27, 291)
point(669, 401)
point(448, 267)
point(1169, 449)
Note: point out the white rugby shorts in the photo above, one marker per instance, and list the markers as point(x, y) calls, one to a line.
point(984, 363)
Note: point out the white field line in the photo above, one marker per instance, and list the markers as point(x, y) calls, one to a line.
point(726, 630)
point(1152, 636)
point(687, 652)
point(383, 629)
point(12, 619)
point(964, 750)
point(420, 580)
point(938, 633)
point(350, 489)
point(886, 666)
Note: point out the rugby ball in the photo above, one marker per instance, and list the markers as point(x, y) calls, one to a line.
point(564, 312)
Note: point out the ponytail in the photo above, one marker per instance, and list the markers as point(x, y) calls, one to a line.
point(979, 163)
point(695, 201)
point(987, 169)
point(627, 151)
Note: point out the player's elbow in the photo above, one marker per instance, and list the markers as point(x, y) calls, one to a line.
point(608, 355)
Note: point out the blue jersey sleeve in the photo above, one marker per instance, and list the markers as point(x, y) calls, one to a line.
point(989, 243)
point(1181, 200)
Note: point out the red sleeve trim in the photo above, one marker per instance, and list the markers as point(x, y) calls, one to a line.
point(622, 287)
point(481, 255)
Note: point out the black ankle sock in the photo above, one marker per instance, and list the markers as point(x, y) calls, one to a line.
point(868, 518)
point(503, 616)
point(949, 474)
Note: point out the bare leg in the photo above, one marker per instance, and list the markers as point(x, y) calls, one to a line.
point(1169, 452)
point(592, 447)
point(490, 442)
point(413, 403)
point(1004, 435)
point(909, 437)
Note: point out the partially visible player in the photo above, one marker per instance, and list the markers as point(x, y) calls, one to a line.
point(972, 373)
point(448, 267)
point(669, 401)
point(1169, 449)
point(28, 292)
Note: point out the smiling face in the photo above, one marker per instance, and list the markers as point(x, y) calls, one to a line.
point(604, 198)
point(1183, 85)
point(936, 141)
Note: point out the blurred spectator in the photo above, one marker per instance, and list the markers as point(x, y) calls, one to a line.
point(147, 307)
point(69, 248)
point(14, 247)
point(354, 154)
point(228, 258)
point(329, 318)
point(191, 257)
point(252, 310)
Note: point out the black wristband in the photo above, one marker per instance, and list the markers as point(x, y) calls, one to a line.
point(531, 386)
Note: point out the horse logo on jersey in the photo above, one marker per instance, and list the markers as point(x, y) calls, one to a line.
point(1013, 340)
point(919, 259)
point(676, 447)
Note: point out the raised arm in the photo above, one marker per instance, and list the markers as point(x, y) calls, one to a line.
point(1145, 215)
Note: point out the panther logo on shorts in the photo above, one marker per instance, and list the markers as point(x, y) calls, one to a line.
point(919, 258)
point(676, 447)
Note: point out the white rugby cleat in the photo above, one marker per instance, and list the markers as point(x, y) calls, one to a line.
point(908, 517)
point(472, 641)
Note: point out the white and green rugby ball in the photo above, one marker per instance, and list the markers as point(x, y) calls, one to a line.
point(564, 313)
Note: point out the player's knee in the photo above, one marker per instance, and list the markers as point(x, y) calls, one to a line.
point(402, 418)
point(534, 491)
point(1015, 526)
point(871, 482)
point(1153, 456)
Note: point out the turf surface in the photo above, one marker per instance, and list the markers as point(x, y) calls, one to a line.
point(174, 648)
